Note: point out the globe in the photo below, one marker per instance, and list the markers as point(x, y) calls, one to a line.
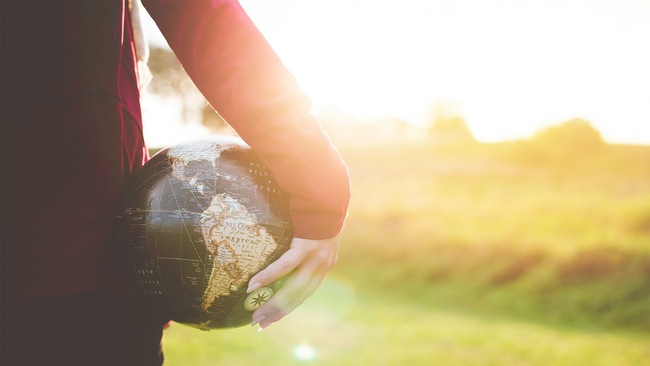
point(200, 220)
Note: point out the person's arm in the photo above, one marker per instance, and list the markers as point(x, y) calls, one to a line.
point(244, 80)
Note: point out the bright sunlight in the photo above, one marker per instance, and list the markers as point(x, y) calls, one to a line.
point(514, 66)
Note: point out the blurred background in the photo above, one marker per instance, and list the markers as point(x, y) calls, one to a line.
point(500, 159)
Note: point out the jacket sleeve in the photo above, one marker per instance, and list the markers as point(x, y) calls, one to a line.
point(244, 80)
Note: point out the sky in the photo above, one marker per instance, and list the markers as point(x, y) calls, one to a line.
point(511, 66)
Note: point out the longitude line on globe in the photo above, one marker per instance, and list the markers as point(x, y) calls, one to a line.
point(169, 300)
point(189, 237)
point(180, 242)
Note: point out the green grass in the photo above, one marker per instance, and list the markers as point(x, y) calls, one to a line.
point(349, 327)
point(471, 256)
point(539, 242)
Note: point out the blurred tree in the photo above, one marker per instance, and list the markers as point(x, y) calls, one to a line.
point(562, 146)
point(344, 128)
point(448, 126)
point(576, 136)
point(171, 81)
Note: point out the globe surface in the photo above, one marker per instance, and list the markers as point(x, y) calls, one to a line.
point(201, 219)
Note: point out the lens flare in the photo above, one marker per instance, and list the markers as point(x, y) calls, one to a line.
point(333, 324)
point(304, 352)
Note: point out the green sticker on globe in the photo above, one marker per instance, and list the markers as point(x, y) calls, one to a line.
point(257, 298)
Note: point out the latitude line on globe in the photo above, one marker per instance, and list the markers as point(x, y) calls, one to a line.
point(171, 211)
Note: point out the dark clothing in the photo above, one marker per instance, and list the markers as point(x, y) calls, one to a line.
point(81, 329)
point(71, 138)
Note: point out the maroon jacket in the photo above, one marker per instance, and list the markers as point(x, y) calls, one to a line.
point(72, 128)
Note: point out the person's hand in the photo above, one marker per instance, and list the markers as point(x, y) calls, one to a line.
point(310, 260)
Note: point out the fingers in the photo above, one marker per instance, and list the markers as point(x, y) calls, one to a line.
point(292, 289)
point(298, 280)
point(285, 264)
point(282, 304)
point(320, 257)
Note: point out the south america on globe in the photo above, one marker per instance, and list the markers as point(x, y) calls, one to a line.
point(200, 220)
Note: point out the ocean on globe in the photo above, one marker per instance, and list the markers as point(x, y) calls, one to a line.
point(201, 219)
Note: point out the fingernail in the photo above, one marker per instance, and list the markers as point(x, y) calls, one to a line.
point(253, 287)
point(258, 319)
point(260, 329)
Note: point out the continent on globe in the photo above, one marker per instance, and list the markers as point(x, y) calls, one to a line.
point(180, 156)
point(238, 244)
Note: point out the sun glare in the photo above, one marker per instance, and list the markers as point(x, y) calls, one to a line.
point(513, 66)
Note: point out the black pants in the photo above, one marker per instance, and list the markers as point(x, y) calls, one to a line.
point(80, 329)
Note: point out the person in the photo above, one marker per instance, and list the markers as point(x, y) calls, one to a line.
point(72, 140)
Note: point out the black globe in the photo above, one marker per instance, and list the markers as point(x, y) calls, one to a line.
point(201, 219)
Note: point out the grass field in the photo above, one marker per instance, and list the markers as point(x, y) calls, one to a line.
point(345, 327)
point(472, 256)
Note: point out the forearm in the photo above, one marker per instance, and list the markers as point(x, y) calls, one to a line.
point(245, 81)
